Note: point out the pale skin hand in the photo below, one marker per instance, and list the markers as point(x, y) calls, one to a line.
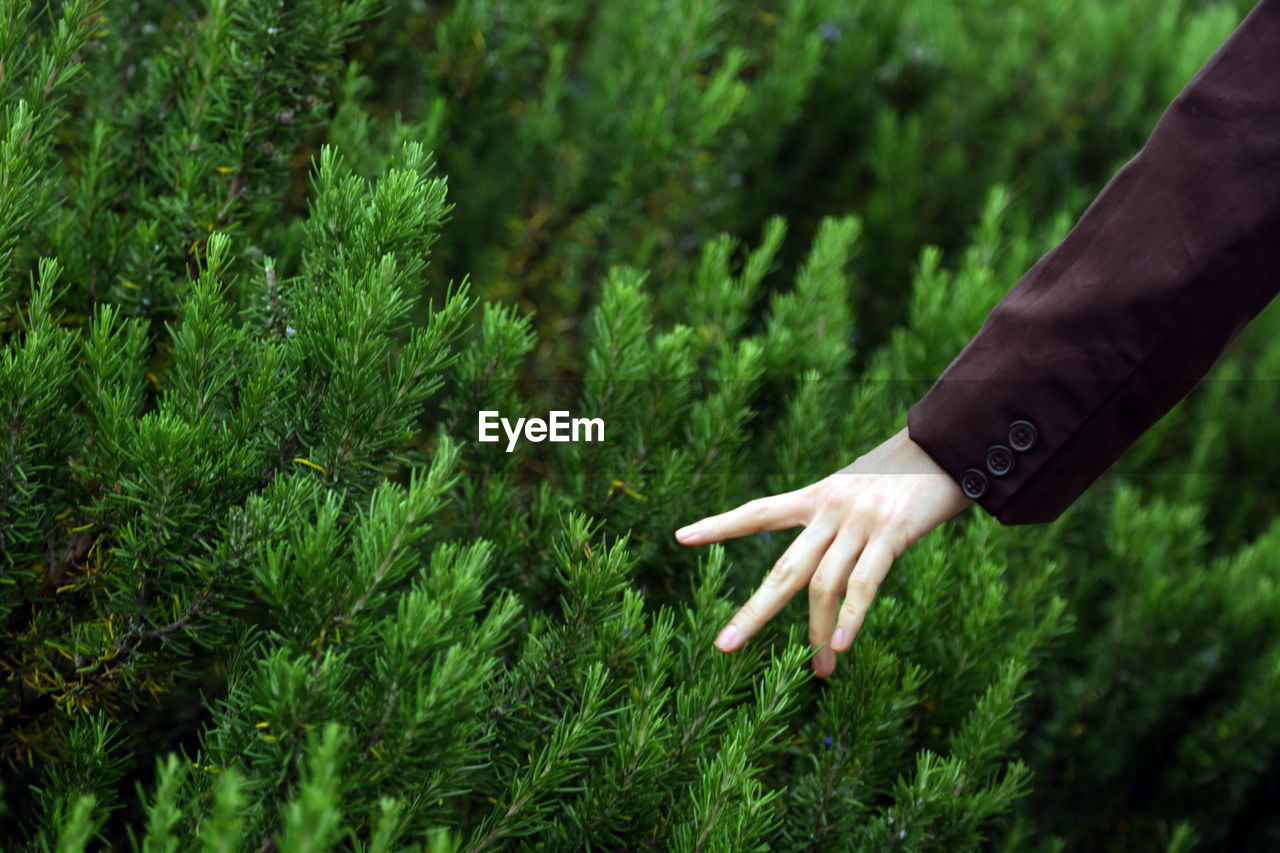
point(856, 523)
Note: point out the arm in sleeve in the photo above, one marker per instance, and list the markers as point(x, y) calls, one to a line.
point(1126, 315)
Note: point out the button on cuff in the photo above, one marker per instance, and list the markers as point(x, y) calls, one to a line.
point(973, 484)
point(999, 460)
point(1022, 436)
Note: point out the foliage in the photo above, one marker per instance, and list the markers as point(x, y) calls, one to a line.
point(262, 587)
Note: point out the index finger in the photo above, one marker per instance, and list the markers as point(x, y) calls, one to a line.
point(778, 512)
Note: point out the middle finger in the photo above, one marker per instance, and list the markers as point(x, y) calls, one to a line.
point(788, 575)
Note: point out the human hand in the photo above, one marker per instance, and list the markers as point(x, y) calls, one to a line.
point(856, 523)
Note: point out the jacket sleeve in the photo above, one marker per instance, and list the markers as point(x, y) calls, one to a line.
point(1128, 313)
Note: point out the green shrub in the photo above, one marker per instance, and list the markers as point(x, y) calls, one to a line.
point(264, 588)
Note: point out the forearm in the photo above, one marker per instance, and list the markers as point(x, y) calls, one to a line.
point(1115, 325)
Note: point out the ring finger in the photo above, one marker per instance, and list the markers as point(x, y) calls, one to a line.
point(824, 593)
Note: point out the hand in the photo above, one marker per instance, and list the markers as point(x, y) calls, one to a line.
point(856, 523)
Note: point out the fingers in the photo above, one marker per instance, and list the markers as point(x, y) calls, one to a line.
point(865, 579)
point(785, 579)
point(854, 530)
point(790, 509)
point(828, 583)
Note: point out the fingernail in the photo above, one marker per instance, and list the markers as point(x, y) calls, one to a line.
point(688, 533)
point(728, 638)
point(837, 639)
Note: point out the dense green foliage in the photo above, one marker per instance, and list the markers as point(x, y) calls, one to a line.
point(262, 587)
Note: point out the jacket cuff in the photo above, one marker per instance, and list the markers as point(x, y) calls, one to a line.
point(1113, 327)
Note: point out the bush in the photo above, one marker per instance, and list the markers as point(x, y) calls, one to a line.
point(264, 588)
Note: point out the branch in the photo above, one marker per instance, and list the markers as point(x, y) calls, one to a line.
point(55, 577)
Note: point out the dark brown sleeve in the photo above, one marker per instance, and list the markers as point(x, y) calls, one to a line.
point(1121, 320)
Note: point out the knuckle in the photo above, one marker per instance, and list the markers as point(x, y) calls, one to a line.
point(747, 617)
point(893, 531)
point(850, 610)
point(886, 515)
point(862, 588)
point(817, 488)
point(898, 540)
point(836, 491)
point(823, 590)
point(790, 585)
point(783, 569)
point(891, 515)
